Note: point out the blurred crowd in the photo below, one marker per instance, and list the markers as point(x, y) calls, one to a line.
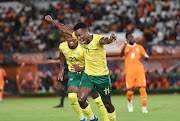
point(40, 82)
point(48, 83)
point(165, 50)
point(154, 79)
point(24, 29)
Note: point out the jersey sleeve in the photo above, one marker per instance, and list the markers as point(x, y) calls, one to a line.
point(74, 36)
point(99, 37)
point(142, 51)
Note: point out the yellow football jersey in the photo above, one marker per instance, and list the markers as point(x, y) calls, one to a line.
point(95, 57)
point(73, 56)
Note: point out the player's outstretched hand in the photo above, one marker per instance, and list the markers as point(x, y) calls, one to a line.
point(113, 37)
point(48, 18)
point(60, 76)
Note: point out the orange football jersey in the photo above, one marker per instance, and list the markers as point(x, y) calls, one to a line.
point(2, 74)
point(133, 55)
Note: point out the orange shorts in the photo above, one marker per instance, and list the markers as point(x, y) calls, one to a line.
point(1, 86)
point(135, 80)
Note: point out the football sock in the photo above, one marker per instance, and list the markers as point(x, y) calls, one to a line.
point(101, 108)
point(112, 116)
point(75, 104)
point(88, 111)
point(143, 95)
point(129, 95)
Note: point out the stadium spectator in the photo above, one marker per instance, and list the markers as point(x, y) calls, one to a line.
point(175, 77)
point(159, 20)
point(48, 82)
point(165, 76)
point(28, 83)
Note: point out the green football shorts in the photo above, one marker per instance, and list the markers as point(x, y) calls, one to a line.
point(74, 79)
point(101, 83)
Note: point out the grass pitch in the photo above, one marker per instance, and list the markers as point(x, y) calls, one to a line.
point(160, 107)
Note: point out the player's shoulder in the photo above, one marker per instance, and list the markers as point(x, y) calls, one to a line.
point(63, 44)
point(138, 45)
point(97, 36)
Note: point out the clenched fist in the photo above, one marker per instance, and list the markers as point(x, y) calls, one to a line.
point(48, 18)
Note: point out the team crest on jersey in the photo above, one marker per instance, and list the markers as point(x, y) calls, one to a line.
point(127, 50)
point(65, 52)
point(91, 45)
point(137, 49)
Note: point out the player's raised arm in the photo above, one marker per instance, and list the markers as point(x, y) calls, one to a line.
point(122, 52)
point(106, 40)
point(123, 49)
point(62, 27)
point(61, 71)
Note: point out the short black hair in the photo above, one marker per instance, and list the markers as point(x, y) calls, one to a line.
point(127, 33)
point(80, 25)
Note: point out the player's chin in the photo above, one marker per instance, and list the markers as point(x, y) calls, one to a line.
point(83, 42)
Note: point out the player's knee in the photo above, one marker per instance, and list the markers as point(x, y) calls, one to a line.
point(81, 101)
point(130, 93)
point(142, 91)
point(72, 97)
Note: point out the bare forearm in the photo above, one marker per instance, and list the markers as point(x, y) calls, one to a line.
point(105, 41)
point(63, 28)
point(82, 68)
point(62, 58)
point(122, 52)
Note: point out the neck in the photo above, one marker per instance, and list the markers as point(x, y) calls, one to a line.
point(73, 47)
point(131, 43)
point(89, 38)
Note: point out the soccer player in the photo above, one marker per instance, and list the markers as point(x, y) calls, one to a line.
point(72, 51)
point(2, 75)
point(96, 72)
point(134, 71)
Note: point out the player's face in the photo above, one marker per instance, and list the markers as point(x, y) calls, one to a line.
point(71, 41)
point(82, 35)
point(130, 39)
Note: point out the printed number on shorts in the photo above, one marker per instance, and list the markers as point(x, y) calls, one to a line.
point(132, 55)
point(106, 91)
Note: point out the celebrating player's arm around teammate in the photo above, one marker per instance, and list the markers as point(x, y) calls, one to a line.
point(96, 73)
point(134, 70)
point(72, 51)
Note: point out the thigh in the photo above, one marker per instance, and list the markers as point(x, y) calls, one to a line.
point(73, 89)
point(141, 80)
point(86, 81)
point(103, 85)
point(83, 93)
point(94, 95)
point(130, 81)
